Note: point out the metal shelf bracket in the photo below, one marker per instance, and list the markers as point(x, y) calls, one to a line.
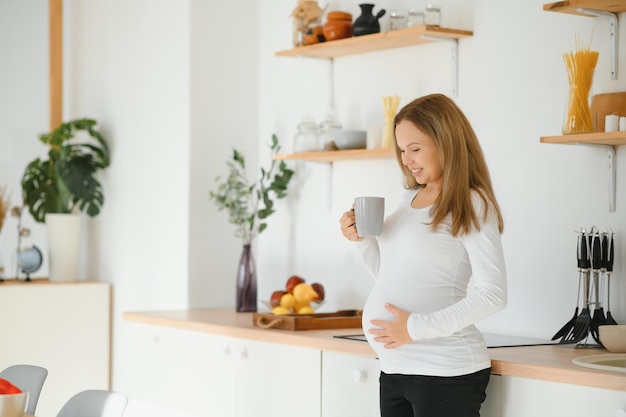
point(454, 43)
point(613, 34)
point(610, 172)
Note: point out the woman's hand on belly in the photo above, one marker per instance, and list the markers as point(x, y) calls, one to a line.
point(392, 333)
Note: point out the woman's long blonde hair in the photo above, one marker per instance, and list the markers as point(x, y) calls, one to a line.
point(462, 161)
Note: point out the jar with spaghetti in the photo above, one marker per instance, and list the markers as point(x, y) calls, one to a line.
point(580, 69)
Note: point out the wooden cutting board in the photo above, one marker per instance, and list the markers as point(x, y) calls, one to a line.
point(344, 319)
point(609, 103)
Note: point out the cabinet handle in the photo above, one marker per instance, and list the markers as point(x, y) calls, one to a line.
point(242, 354)
point(359, 375)
point(225, 351)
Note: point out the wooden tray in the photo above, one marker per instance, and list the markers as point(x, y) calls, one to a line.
point(344, 319)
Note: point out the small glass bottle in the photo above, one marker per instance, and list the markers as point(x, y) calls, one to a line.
point(306, 139)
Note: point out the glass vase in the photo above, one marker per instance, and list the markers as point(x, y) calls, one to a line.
point(246, 281)
point(577, 118)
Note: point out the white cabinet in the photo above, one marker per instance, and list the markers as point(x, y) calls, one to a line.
point(349, 385)
point(277, 380)
point(174, 369)
point(203, 374)
point(64, 327)
point(525, 397)
point(492, 406)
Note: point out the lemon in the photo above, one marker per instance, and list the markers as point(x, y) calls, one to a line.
point(287, 301)
point(306, 310)
point(304, 293)
point(280, 311)
point(299, 306)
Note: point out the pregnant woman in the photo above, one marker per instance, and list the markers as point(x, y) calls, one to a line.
point(438, 267)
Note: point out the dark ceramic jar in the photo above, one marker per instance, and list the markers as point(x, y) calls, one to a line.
point(367, 23)
point(338, 26)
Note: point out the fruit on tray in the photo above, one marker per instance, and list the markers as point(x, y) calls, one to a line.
point(292, 282)
point(275, 298)
point(297, 297)
point(304, 293)
point(319, 289)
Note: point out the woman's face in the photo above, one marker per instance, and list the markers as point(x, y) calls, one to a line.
point(419, 154)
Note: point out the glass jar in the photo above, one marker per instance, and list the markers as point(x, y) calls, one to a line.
point(432, 15)
point(397, 21)
point(416, 18)
point(327, 132)
point(306, 139)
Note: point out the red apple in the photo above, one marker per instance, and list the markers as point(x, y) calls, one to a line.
point(292, 282)
point(319, 289)
point(275, 298)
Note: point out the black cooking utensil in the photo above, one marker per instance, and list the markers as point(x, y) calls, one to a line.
point(582, 258)
point(608, 257)
point(579, 328)
point(598, 318)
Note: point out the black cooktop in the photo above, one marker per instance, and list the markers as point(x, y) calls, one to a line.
point(493, 340)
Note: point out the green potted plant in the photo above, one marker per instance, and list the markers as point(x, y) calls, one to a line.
point(62, 186)
point(66, 181)
point(249, 205)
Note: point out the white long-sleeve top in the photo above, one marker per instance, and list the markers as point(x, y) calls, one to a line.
point(428, 274)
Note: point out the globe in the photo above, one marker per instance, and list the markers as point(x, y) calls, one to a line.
point(29, 260)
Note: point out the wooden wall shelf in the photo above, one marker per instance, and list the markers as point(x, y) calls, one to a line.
point(332, 156)
point(374, 42)
point(595, 138)
point(571, 6)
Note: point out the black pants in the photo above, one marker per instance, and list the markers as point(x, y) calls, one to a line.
point(432, 396)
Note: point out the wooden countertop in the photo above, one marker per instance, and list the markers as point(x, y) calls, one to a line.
point(548, 363)
point(37, 282)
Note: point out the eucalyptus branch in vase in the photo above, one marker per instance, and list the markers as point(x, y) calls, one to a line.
point(250, 204)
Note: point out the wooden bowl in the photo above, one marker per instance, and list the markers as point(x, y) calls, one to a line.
point(613, 337)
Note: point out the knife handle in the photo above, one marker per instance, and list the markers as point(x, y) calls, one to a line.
point(604, 243)
point(610, 252)
point(596, 251)
point(582, 252)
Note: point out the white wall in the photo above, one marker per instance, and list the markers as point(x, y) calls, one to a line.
point(174, 89)
point(513, 87)
point(23, 110)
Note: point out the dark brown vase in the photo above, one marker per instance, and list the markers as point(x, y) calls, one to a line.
point(246, 281)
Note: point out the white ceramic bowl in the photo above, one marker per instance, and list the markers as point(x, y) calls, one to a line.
point(13, 405)
point(350, 139)
point(613, 337)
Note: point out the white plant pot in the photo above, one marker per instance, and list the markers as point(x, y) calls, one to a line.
point(63, 245)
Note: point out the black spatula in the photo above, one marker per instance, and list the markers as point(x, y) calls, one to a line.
point(583, 260)
point(572, 330)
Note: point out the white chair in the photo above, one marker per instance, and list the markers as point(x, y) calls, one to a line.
point(95, 403)
point(29, 378)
